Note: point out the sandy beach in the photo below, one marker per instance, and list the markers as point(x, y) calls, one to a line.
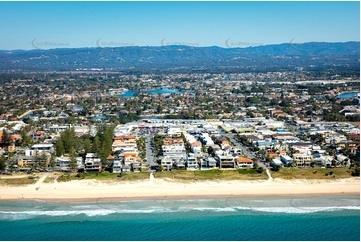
point(92, 190)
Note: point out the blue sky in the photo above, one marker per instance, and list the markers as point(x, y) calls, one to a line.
point(44, 25)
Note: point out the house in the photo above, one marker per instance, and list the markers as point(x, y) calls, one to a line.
point(302, 160)
point(124, 142)
point(206, 139)
point(243, 162)
point(64, 162)
point(207, 163)
point(117, 164)
point(276, 162)
point(191, 162)
point(174, 147)
point(272, 155)
point(196, 147)
point(350, 146)
point(174, 132)
point(92, 163)
point(342, 160)
point(354, 137)
point(226, 161)
point(122, 129)
point(39, 149)
point(135, 166)
point(167, 163)
point(26, 161)
point(131, 157)
point(179, 164)
point(286, 160)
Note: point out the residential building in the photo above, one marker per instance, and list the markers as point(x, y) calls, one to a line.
point(302, 160)
point(243, 162)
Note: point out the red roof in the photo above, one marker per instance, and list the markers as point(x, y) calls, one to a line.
point(243, 159)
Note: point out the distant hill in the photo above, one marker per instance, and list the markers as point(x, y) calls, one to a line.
point(307, 56)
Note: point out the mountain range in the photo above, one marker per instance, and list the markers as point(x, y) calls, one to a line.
point(138, 59)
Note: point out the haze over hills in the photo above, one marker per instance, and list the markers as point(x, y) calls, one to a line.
point(134, 59)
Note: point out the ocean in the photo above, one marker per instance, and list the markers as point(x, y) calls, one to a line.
point(329, 218)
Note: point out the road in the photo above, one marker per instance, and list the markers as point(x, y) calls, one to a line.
point(239, 145)
point(30, 111)
point(148, 151)
point(244, 149)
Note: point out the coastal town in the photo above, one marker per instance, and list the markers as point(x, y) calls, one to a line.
point(111, 123)
point(180, 121)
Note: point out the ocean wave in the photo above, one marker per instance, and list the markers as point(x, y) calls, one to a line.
point(16, 215)
point(298, 209)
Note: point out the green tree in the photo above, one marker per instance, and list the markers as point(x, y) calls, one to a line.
point(96, 145)
point(69, 140)
point(59, 147)
point(87, 146)
point(6, 138)
point(73, 163)
point(52, 160)
point(2, 163)
point(25, 138)
point(43, 160)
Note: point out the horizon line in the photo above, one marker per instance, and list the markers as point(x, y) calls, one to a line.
point(172, 45)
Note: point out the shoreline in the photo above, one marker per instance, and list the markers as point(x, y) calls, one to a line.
point(157, 189)
point(178, 197)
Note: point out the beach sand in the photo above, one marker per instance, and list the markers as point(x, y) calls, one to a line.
point(92, 190)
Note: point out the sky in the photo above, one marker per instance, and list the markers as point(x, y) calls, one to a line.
point(47, 25)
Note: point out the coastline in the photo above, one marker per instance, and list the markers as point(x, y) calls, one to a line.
point(157, 189)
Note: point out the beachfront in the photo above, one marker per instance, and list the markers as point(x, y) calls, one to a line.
point(93, 190)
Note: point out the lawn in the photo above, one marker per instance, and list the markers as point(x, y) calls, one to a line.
point(241, 174)
point(105, 176)
point(18, 181)
point(312, 173)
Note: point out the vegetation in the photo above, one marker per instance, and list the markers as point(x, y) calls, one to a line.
point(18, 181)
point(105, 176)
point(2, 163)
point(311, 173)
point(241, 174)
point(72, 145)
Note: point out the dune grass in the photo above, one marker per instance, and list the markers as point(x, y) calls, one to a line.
point(241, 174)
point(18, 181)
point(312, 173)
point(105, 176)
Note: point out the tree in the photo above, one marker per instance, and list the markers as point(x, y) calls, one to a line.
point(260, 170)
point(87, 146)
point(59, 147)
point(53, 160)
point(25, 138)
point(43, 160)
point(73, 162)
point(6, 138)
point(274, 102)
point(68, 138)
point(2, 163)
point(96, 145)
point(276, 168)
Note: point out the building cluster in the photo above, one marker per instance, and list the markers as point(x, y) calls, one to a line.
point(181, 121)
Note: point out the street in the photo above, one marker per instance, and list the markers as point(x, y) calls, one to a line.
point(244, 149)
point(148, 149)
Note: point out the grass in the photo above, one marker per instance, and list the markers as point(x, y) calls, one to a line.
point(18, 181)
point(105, 176)
point(312, 173)
point(50, 179)
point(241, 174)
